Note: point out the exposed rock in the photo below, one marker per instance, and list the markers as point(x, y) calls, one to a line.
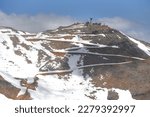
point(112, 95)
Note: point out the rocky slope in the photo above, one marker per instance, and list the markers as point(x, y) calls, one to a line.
point(81, 61)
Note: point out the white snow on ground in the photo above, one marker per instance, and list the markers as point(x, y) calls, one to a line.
point(21, 33)
point(74, 88)
point(73, 59)
point(123, 94)
point(3, 98)
point(103, 35)
point(50, 87)
point(118, 36)
point(141, 46)
point(76, 38)
point(17, 65)
point(13, 65)
point(90, 47)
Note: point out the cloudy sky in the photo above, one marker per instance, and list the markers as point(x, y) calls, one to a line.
point(130, 16)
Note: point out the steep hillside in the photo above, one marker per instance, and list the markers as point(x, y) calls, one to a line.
point(81, 61)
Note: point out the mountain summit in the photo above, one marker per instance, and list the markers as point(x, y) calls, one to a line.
point(80, 61)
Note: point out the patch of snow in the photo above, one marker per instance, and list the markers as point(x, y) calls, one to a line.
point(118, 36)
point(103, 46)
point(76, 38)
point(141, 46)
point(30, 80)
point(123, 94)
point(102, 35)
point(17, 65)
point(78, 31)
point(114, 46)
point(62, 35)
point(38, 35)
point(101, 77)
point(22, 92)
point(88, 47)
point(105, 58)
point(3, 97)
point(73, 61)
point(21, 33)
point(50, 87)
point(104, 83)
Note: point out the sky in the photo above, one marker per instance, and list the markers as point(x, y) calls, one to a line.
point(129, 16)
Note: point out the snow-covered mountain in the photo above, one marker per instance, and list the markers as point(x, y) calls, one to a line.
point(81, 61)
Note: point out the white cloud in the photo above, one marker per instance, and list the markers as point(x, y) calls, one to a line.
point(131, 28)
point(35, 23)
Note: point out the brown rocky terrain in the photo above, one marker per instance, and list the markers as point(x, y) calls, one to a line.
point(11, 91)
point(134, 77)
